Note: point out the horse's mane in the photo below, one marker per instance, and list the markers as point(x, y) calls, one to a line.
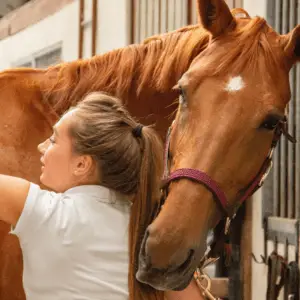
point(157, 62)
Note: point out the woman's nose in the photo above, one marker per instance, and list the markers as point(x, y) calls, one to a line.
point(42, 147)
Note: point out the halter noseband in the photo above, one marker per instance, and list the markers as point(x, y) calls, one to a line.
point(202, 178)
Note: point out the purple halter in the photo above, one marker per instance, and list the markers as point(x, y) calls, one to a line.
point(212, 186)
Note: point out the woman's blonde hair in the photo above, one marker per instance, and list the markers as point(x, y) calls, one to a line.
point(130, 160)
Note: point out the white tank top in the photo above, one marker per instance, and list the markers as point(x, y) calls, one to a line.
point(75, 244)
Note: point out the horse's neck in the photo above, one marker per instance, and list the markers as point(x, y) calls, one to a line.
point(145, 72)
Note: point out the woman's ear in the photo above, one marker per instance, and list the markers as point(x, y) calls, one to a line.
point(83, 166)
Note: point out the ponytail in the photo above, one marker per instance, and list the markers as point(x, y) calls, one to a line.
point(146, 200)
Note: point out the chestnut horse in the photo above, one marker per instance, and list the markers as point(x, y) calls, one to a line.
point(230, 116)
point(232, 76)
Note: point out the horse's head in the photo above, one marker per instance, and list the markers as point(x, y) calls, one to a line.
point(232, 101)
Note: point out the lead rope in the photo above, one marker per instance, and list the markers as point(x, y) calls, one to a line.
point(204, 281)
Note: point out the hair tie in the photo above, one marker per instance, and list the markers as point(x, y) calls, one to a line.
point(137, 130)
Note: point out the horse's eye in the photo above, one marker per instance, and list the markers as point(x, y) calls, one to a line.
point(271, 122)
point(182, 96)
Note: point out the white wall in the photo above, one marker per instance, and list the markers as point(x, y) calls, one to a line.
point(114, 24)
point(62, 27)
point(113, 31)
point(256, 7)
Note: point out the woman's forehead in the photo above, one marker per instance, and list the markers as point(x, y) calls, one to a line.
point(65, 120)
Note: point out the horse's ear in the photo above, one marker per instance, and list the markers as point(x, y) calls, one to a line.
point(214, 15)
point(292, 44)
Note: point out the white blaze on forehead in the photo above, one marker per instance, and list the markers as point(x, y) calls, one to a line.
point(235, 84)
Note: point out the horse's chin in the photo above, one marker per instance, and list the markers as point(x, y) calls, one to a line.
point(174, 278)
point(164, 281)
point(177, 279)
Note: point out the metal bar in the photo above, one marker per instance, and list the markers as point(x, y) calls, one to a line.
point(285, 17)
point(94, 26)
point(189, 12)
point(298, 245)
point(153, 18)
point(283, 143)
point(81, 19)
point(159, 16)
point(286, 257)
point(276, 169)
point(134, 27)
point(291, 126)
point(138, 21)
point(297, 125)
point(276, 182)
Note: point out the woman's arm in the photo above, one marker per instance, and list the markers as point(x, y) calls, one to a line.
point(13, 194)
point(192, 292)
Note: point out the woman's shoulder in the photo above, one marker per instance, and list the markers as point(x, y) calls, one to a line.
point(84, 192)
point(97, 193)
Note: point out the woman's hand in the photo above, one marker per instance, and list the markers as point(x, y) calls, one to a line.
point(192, 292)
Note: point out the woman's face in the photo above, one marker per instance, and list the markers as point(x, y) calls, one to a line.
point(59, 162)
